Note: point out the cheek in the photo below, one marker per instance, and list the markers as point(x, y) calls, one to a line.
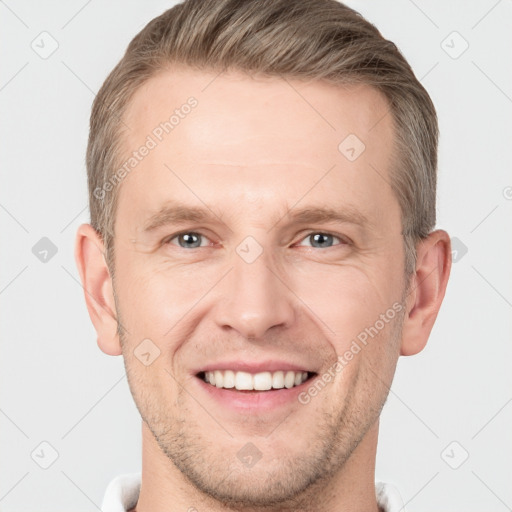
point(345, 300)
point(154, 301)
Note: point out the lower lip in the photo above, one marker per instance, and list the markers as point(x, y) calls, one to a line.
point(254, 401)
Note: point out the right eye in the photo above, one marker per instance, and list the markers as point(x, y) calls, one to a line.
point(188, 240)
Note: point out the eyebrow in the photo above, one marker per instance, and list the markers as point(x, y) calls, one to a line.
point(349, 215)
point(176, 213)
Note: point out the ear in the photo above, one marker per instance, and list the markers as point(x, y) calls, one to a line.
point(426, 290)
point(97, 285)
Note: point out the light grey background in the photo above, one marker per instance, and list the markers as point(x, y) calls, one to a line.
point(58, 387)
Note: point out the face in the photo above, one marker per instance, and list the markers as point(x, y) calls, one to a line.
point(257, 247)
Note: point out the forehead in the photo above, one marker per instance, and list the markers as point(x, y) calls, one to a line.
point(261, 136)
point(257, 106)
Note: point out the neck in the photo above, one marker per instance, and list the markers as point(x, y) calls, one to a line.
point(165, 489)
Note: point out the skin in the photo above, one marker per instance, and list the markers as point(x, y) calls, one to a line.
point(254, 151)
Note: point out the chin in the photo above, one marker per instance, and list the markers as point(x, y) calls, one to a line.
point(254, 471)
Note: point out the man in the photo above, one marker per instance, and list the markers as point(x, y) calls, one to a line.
point(262, 179)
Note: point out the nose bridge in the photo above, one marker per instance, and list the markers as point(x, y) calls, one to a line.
point(254, 299)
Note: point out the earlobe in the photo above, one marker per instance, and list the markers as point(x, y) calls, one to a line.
point(428, 287)
point(98, 290)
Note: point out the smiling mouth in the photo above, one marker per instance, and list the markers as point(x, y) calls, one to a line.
point(251, 382)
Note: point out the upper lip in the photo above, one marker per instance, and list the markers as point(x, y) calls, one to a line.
point(254, 366)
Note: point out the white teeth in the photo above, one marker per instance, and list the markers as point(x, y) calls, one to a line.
point(262, 381)
point(243, 381)
point(278, 380)
point(219, 378)
point(229, 379)
point(289, 380)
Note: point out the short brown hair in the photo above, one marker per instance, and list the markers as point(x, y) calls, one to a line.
point(301, 39)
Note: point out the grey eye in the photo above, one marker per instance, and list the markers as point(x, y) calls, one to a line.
point(189, 240)
point(321, 240)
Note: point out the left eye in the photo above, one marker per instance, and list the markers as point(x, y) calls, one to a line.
point(321, 240)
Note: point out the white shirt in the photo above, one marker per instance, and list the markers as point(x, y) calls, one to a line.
point(123, 492)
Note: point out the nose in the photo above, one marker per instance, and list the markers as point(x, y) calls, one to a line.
point(254, 299)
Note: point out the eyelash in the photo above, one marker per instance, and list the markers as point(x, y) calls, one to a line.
point(342, 240)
